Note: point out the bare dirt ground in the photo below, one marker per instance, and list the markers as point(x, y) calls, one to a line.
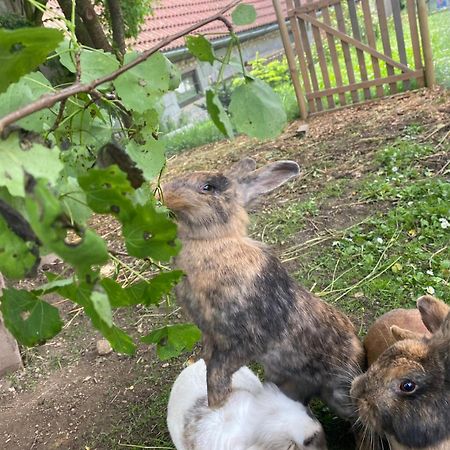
point(69, 397)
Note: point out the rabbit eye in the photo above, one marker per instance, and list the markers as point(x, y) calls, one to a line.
point(408, 386)
point(207, 187)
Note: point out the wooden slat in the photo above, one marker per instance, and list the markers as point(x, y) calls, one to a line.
point(372, 42)
point(357, 36)
point(412, 19)
point(309, 59)
point(334, 55)
point(399, 35)
point(357, 44)
point(422, 14)
point(314, 6)
point(301, 55)
point(322, 62)
point(346, 51)
point(385, 39)
point(369, 83)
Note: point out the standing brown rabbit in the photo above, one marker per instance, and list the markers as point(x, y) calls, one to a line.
point(243, 300)
point(405, 394)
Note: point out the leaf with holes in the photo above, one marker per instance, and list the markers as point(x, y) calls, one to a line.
point(201, 48)
point(73, 200)
point(30, 320)
point(82, 250)
point(257, 111)
point(172, 340)
point(144, 292)
point(243, 14)
point(96, 64)
point(149, 158)
point(150, 233)
point(28, 89)
point(218, 114)
point(17, 257)
point(22, 50)
point(141, 87)
point(15, 163)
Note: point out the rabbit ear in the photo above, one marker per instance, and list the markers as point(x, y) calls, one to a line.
point(433, 312)
point(399, 334)
point(242, 168)
point(266, 179)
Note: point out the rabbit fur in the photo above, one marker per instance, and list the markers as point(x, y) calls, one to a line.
point(243, 300)
point(255, 416)
point(411, 416)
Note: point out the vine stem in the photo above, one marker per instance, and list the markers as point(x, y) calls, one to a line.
point(48, 100)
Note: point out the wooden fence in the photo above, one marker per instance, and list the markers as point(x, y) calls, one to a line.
point(327, 32)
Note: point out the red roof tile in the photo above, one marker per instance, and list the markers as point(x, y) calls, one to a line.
point(172, 16)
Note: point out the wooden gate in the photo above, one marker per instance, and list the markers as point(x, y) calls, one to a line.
point(336, 50)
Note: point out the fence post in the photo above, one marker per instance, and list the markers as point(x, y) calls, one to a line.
point(422, 12)
point(291, 60)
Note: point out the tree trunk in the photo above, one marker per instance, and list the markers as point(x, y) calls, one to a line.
point(87, 13)
point(115, 12)
point(80, 30)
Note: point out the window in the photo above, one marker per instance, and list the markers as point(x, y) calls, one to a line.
point(189, 88)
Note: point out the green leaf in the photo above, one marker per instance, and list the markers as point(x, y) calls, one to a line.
point(101, 305)
point(172, 340)
point(66, 52)
point(25, 91)
point(144, 292)
point(73, 200)
point(150, 158)
point(243, 14)
point(37, 160)
point(201, 48)
point(151, 233)
point(22, 50)
point(30, 320)
point(218, 114)
point(257, 110)
point(48, 221)
point(108, 191)
point(17, 257)
point(141, 87)
point(95, 64)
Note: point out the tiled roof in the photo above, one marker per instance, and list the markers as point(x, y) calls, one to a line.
point(172, 16)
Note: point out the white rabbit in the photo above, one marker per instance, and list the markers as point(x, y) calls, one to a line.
point(256, 416)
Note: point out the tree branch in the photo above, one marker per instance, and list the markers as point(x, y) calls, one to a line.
point(48, 100)
point(118, 31)
point(80, 30)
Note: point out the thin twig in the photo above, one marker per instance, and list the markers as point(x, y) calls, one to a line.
point(59, 117)
point(48, 100)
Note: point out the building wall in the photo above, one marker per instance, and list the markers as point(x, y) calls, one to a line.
point(265, 45)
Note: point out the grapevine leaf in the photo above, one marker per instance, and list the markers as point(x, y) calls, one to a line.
point(23, 49)
point(82, 294)
point(38, 161)
point(150, 233)
point(218, 114)
point(144, 292)
point(73, 200)
point(201, 48)
point(77, 159)
point(141, 87)
point(51, 226)
point(102, 307)
point(30, 320)
point(66, 53)
point(149, 158)
point(17, 257)
point(95, 64)
point(243, 14)
point(25, 91)
point(172, 340)
point(108, 191)
point(256, 110)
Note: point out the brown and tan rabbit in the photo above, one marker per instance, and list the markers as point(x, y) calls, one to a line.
point(243, 300)
point(405, 394)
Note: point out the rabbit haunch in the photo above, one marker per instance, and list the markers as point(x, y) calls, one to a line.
point(255, 416)
point(244, 301)
point(405, 394)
